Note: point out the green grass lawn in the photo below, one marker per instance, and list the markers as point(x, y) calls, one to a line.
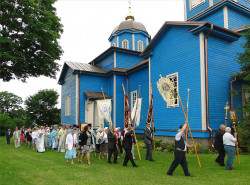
point(25, 166)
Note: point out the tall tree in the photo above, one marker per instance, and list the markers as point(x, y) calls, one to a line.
point(9, 102)
point(28, 37)
point(41, 108)
point(244, 60)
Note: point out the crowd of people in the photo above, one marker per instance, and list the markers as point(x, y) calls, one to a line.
point(108, 142)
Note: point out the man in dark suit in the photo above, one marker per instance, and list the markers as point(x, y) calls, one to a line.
point(112, 142)
point(128, 146)
point(8, 135)
point(148, 139)
point(218, 144)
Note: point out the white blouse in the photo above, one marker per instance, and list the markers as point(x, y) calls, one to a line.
point(228, 139)
point(69, 141)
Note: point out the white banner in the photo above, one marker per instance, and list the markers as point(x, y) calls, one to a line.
point(104, 108)
point(137, 109)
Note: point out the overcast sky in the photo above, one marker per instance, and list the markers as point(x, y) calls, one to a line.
point(87, 27)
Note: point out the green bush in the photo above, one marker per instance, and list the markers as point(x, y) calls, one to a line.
point(206, 150)
point(191, 151)
point(171, 147)
point(158, 143)
point(158, 148)
point(198, 148)
point(141, 144)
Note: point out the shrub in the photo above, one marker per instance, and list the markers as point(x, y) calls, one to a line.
point(198, 148)
point(158, 143)
point(141, 144)
point(158, 148)
point(171, 147)
point(191, 151)
point(206, 150)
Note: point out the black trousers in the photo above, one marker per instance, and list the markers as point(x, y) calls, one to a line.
point(149, 152)
point(110, 152)
point(128, 157)
point(120, 145)
point(180, 158)
point(221, 157)
point(8, 140)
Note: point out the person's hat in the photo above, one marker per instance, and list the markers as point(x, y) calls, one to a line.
point(106, 128)
point(116, 129)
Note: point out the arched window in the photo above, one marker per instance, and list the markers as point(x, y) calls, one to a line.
point(125, 44)
point(140, 45)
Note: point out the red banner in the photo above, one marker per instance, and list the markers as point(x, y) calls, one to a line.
point(150, 111)
point(127, 115)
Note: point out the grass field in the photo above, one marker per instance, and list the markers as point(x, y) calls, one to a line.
point(25, 166)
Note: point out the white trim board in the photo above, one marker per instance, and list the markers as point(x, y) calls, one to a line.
point(203, 83)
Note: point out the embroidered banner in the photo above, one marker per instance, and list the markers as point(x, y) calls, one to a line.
point(136, 111)
point(104, 108)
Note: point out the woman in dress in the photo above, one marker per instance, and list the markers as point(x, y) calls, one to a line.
point(47, 136)
point(22, 136)
point(86, 143)
point(71, 147)
point(104, 145)
point(40, 140)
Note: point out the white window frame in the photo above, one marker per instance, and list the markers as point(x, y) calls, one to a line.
point(176, 84)
point(133, 97)
point(68, 105)
point(125, 44)
point(140, 46)
point(190, 4)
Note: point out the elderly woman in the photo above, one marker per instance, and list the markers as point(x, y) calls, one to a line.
point(86, 143)
point(229, 142)
point(104, 144)
point(71, 142)
point(98, 145)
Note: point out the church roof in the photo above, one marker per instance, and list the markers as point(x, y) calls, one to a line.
point(85, 67)
point(217, 5)
point(131, 26)
point(198, 26)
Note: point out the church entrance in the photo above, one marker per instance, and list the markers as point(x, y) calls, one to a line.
point(91, 115)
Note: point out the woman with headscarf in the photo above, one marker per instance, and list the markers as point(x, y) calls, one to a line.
point(86, 143)
point(53, 138)
point(104, 143)
point(71, 142)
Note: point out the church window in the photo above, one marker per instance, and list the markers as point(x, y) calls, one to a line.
point(140, 45)
point(175, 101)
point(125, 44)
point(133, 98)
point(113, 44)
point(195, 3)
point(67, 105)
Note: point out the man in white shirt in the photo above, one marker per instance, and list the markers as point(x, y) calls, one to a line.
point(229, 142)
point(180, 150)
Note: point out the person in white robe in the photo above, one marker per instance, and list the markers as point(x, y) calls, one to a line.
point(17, 137)
point(61, 139)
point(40, 140)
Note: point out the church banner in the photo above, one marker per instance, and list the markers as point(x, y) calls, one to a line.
point(127, 115)
point(136, 111)
point(150, 111)
point(104, 108)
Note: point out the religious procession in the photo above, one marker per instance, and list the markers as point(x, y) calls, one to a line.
point(110, 142)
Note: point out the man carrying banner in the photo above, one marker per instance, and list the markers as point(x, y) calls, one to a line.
point(148, 139)
point(180, 150)
point(128, 146)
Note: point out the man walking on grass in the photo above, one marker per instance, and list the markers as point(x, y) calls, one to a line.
point(180, 150)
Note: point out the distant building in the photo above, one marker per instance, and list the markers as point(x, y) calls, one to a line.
point(177, 50)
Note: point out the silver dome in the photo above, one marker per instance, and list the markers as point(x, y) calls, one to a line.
point(130, 25)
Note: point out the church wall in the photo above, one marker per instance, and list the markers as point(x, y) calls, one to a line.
point(120, 79)
point(126, 60)
point(142, 38)
point(127, 36)
point(221, 66)
point(137, 78)
point(107, 63)
point(91, 83)
point(216, 17)
point(236, 19)
point(196, 10)
point(178, 51)
point(68, 89)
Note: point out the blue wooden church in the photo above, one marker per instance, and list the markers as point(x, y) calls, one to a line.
point(197, 54)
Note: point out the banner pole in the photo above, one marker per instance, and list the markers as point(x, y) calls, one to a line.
point(189, 130)
point(237, 148)
point(187, 117)
point(103, 93)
